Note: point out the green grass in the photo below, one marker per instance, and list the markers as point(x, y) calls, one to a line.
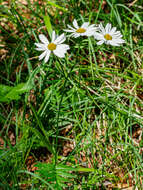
point(78, 119)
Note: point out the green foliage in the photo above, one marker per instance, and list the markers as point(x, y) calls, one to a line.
point(58, 175)
point(85, 110)
point(8, 93)
point(48, 25)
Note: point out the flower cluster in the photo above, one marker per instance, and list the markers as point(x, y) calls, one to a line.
point(107, 35)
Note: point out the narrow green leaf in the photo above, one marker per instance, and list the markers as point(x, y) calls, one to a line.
point(57, 6)
point(45, 136)
point(48, 25)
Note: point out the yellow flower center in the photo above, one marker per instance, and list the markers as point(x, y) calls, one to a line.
point(80, 30)
point(51, 46)
point(107, 37)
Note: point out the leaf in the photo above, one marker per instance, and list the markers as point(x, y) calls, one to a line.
point(57, 6)
point(56, 174)
point(8, 93)
point(4, 90)
point(48, 25)
point(44, 137)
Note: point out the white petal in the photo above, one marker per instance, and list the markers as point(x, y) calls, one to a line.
point(60, 39)
point(76, 35)
point(42, 55)
point(83, 34)
point(59, 53)
point(118, 33)
point(98, 36)
point(112, 31)
point(102, 28)
point(39, 49)
point(108, 42)
point(120, 41)
point(71, 27)
point(108, 28)
point(90, 32)
point(75, 24)
point(113, 43)
point(66, 30)
point(117, 36)
point(85, 25)
point(61, 50)
point(63, 47)
point(53, 36)
point(92, 25)
point(100, 42)
point(40, 46)
point(47, 56)
point(71, 35)
point(43, 39)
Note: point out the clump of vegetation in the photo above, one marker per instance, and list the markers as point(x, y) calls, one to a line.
point(71, 113)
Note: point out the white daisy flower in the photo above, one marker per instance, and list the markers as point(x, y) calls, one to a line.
point(55, 46)
point(84, 30)
point(108, 35)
